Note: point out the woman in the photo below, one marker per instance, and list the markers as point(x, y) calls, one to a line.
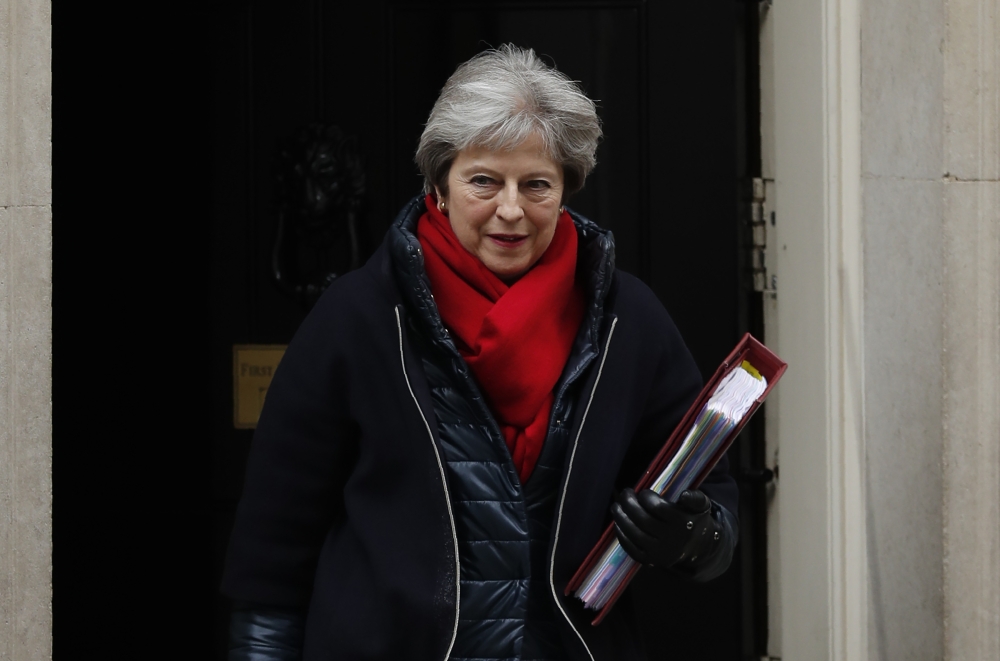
point(446, 432)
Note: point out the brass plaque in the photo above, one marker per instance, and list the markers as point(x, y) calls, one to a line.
point(253, 367)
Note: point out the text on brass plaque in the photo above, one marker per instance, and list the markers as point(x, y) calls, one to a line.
point(253, 367)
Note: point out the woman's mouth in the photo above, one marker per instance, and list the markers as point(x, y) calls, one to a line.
point(508, 240)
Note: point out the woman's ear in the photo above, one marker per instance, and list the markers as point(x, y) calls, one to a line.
point(441, 200)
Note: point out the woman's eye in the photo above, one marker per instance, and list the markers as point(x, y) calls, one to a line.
point(481, 180)
point(538, 184)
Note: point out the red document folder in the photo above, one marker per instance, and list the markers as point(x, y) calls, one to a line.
point(771, 368)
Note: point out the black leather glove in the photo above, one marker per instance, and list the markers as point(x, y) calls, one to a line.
point(257, 633)
point(656, 532)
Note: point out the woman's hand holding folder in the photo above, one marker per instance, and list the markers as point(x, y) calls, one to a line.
point(657, 532)
point(648, 523)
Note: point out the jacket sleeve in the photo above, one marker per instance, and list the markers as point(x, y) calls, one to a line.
point(675, 385)
point(257, 633)
point(303, 450)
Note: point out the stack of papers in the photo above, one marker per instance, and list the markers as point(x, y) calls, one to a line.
point(725, 409)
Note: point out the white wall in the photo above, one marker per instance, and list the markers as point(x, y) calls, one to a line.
point(971, 329)
point(25, 331)
point(810, 126)
point(902, 112)
point(880, 124)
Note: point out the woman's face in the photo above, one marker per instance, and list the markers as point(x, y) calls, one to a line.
point(504, 205)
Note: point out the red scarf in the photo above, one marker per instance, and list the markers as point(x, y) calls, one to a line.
point(516, 339)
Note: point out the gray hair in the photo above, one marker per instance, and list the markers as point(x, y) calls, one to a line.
point(497, 100)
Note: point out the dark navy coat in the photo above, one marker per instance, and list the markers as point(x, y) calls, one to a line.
point(346, 514)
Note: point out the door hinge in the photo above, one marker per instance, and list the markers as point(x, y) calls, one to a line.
point(762, 281)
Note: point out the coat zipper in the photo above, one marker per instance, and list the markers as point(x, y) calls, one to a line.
point(444, 484)
point(562, 498)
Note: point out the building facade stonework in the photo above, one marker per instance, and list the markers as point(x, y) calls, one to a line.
point(881, 122)
point(25, 330)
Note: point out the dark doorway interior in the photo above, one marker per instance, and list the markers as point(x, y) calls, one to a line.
point(167, 132)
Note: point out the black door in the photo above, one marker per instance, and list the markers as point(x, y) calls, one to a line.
point(184, 270)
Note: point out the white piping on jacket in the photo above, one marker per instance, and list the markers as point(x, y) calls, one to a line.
point(444, 483)
point(562, 499)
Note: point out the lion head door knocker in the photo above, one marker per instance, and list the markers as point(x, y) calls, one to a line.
point(321, 186)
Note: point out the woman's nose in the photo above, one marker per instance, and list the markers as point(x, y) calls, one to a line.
point(509, 208)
